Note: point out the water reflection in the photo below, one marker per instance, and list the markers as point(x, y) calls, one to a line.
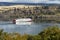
point(33, 28)
point(24, 23)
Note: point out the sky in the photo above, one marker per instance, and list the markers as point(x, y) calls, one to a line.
point(32, 1)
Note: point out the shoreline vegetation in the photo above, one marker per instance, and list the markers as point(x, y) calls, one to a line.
point(40, 13)
point(50, 33)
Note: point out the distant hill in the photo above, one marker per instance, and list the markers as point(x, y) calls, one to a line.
point(11, 3)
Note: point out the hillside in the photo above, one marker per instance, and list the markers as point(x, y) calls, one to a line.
point(28, 11)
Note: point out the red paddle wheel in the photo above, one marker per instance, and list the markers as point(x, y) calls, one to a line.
point(14, 21)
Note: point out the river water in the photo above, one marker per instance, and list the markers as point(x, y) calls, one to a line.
point(29, 28)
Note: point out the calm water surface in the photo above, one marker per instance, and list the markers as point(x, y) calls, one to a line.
point(33, 28)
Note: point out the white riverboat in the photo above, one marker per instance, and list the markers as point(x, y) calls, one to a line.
point(22, 21)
